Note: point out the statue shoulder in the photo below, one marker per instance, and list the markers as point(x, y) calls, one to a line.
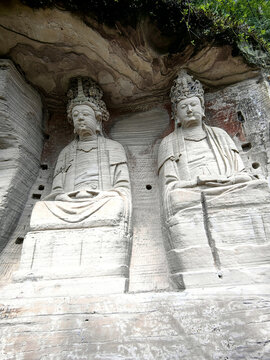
point(217, 131)
point(222, 136)
point(67, 149)
point(65, 157)
point(165, 150)
point(166, 141)
point(112, 144)
point(116, 151)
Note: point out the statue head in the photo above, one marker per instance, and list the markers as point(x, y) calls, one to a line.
point(190, 112)
point(187, 97)
point(85, 105)
point(84, 120)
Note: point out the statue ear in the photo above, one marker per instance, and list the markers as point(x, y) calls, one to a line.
point(203, 111)
point(177, 121)
point(98, 116)
point(99, 127)
point(203, 114)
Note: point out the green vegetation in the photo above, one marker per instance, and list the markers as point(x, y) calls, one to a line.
point(244, 24)
point(250, 16)
point(248, 20)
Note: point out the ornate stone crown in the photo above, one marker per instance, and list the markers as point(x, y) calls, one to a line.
point(184, 87)
point(85, 91)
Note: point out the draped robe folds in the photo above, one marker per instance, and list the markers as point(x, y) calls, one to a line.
point(113, 184)
point(173, 164)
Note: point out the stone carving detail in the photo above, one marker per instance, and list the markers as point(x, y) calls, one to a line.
point(91, 172)
point(90, 203)
point(203, 180)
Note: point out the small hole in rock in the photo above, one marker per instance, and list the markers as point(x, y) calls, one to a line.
point(36, 196)
point(44, 166)
point(220, 275)
point(46, 136)
point(246, 146)
point(41, 187)
point(19, 240)
point(256, 176)
point(255, 165)
point(86, 320)
point(148, 187)
point(240, 117)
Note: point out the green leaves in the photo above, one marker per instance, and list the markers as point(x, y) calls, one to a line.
point(251, 16)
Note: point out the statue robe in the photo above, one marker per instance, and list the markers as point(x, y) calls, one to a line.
point(173, 162)
point(112, 203)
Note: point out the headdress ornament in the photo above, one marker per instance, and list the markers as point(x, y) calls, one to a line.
point(184, 87)
point(85, 91)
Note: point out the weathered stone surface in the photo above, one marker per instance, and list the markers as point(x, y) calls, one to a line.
point(57, 45)
point(243, 111)
point(140, 134)
point(21, 141)
point(100, 254)
point(224, 324)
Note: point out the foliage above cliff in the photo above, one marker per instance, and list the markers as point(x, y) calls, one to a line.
point(248, 20)
point(244, 24)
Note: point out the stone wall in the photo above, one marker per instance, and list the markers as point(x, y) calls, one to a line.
point(243, 111)
point(21, 142)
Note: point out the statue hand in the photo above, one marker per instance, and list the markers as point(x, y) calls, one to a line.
point(208, 179)
point(86, 194)
point(241, 178)
point(63, 197)
point(187, 183)
point(109, 193)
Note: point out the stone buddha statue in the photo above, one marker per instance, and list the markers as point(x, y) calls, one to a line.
point(203, 183)
point(82, 229)
point(91, 175)
point(196, 155)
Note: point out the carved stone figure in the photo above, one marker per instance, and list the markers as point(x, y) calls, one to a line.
point(199, 168)
point(196, 155)
point(82, 228)
point(91, 174)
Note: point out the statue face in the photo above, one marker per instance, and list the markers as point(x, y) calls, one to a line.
point(190, 112)
point(84, 120)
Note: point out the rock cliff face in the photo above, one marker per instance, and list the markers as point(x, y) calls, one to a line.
point(133, 65)
point(66, 318)
point(21, 142)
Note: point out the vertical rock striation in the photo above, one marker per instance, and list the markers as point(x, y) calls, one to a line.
point(21, 143)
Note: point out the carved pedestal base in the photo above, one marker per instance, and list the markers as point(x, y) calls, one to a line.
point(94, 252)
point(223, 239)
point(99, 254)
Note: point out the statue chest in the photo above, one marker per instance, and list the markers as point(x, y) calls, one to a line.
point(86, 172)
point(200, 158)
